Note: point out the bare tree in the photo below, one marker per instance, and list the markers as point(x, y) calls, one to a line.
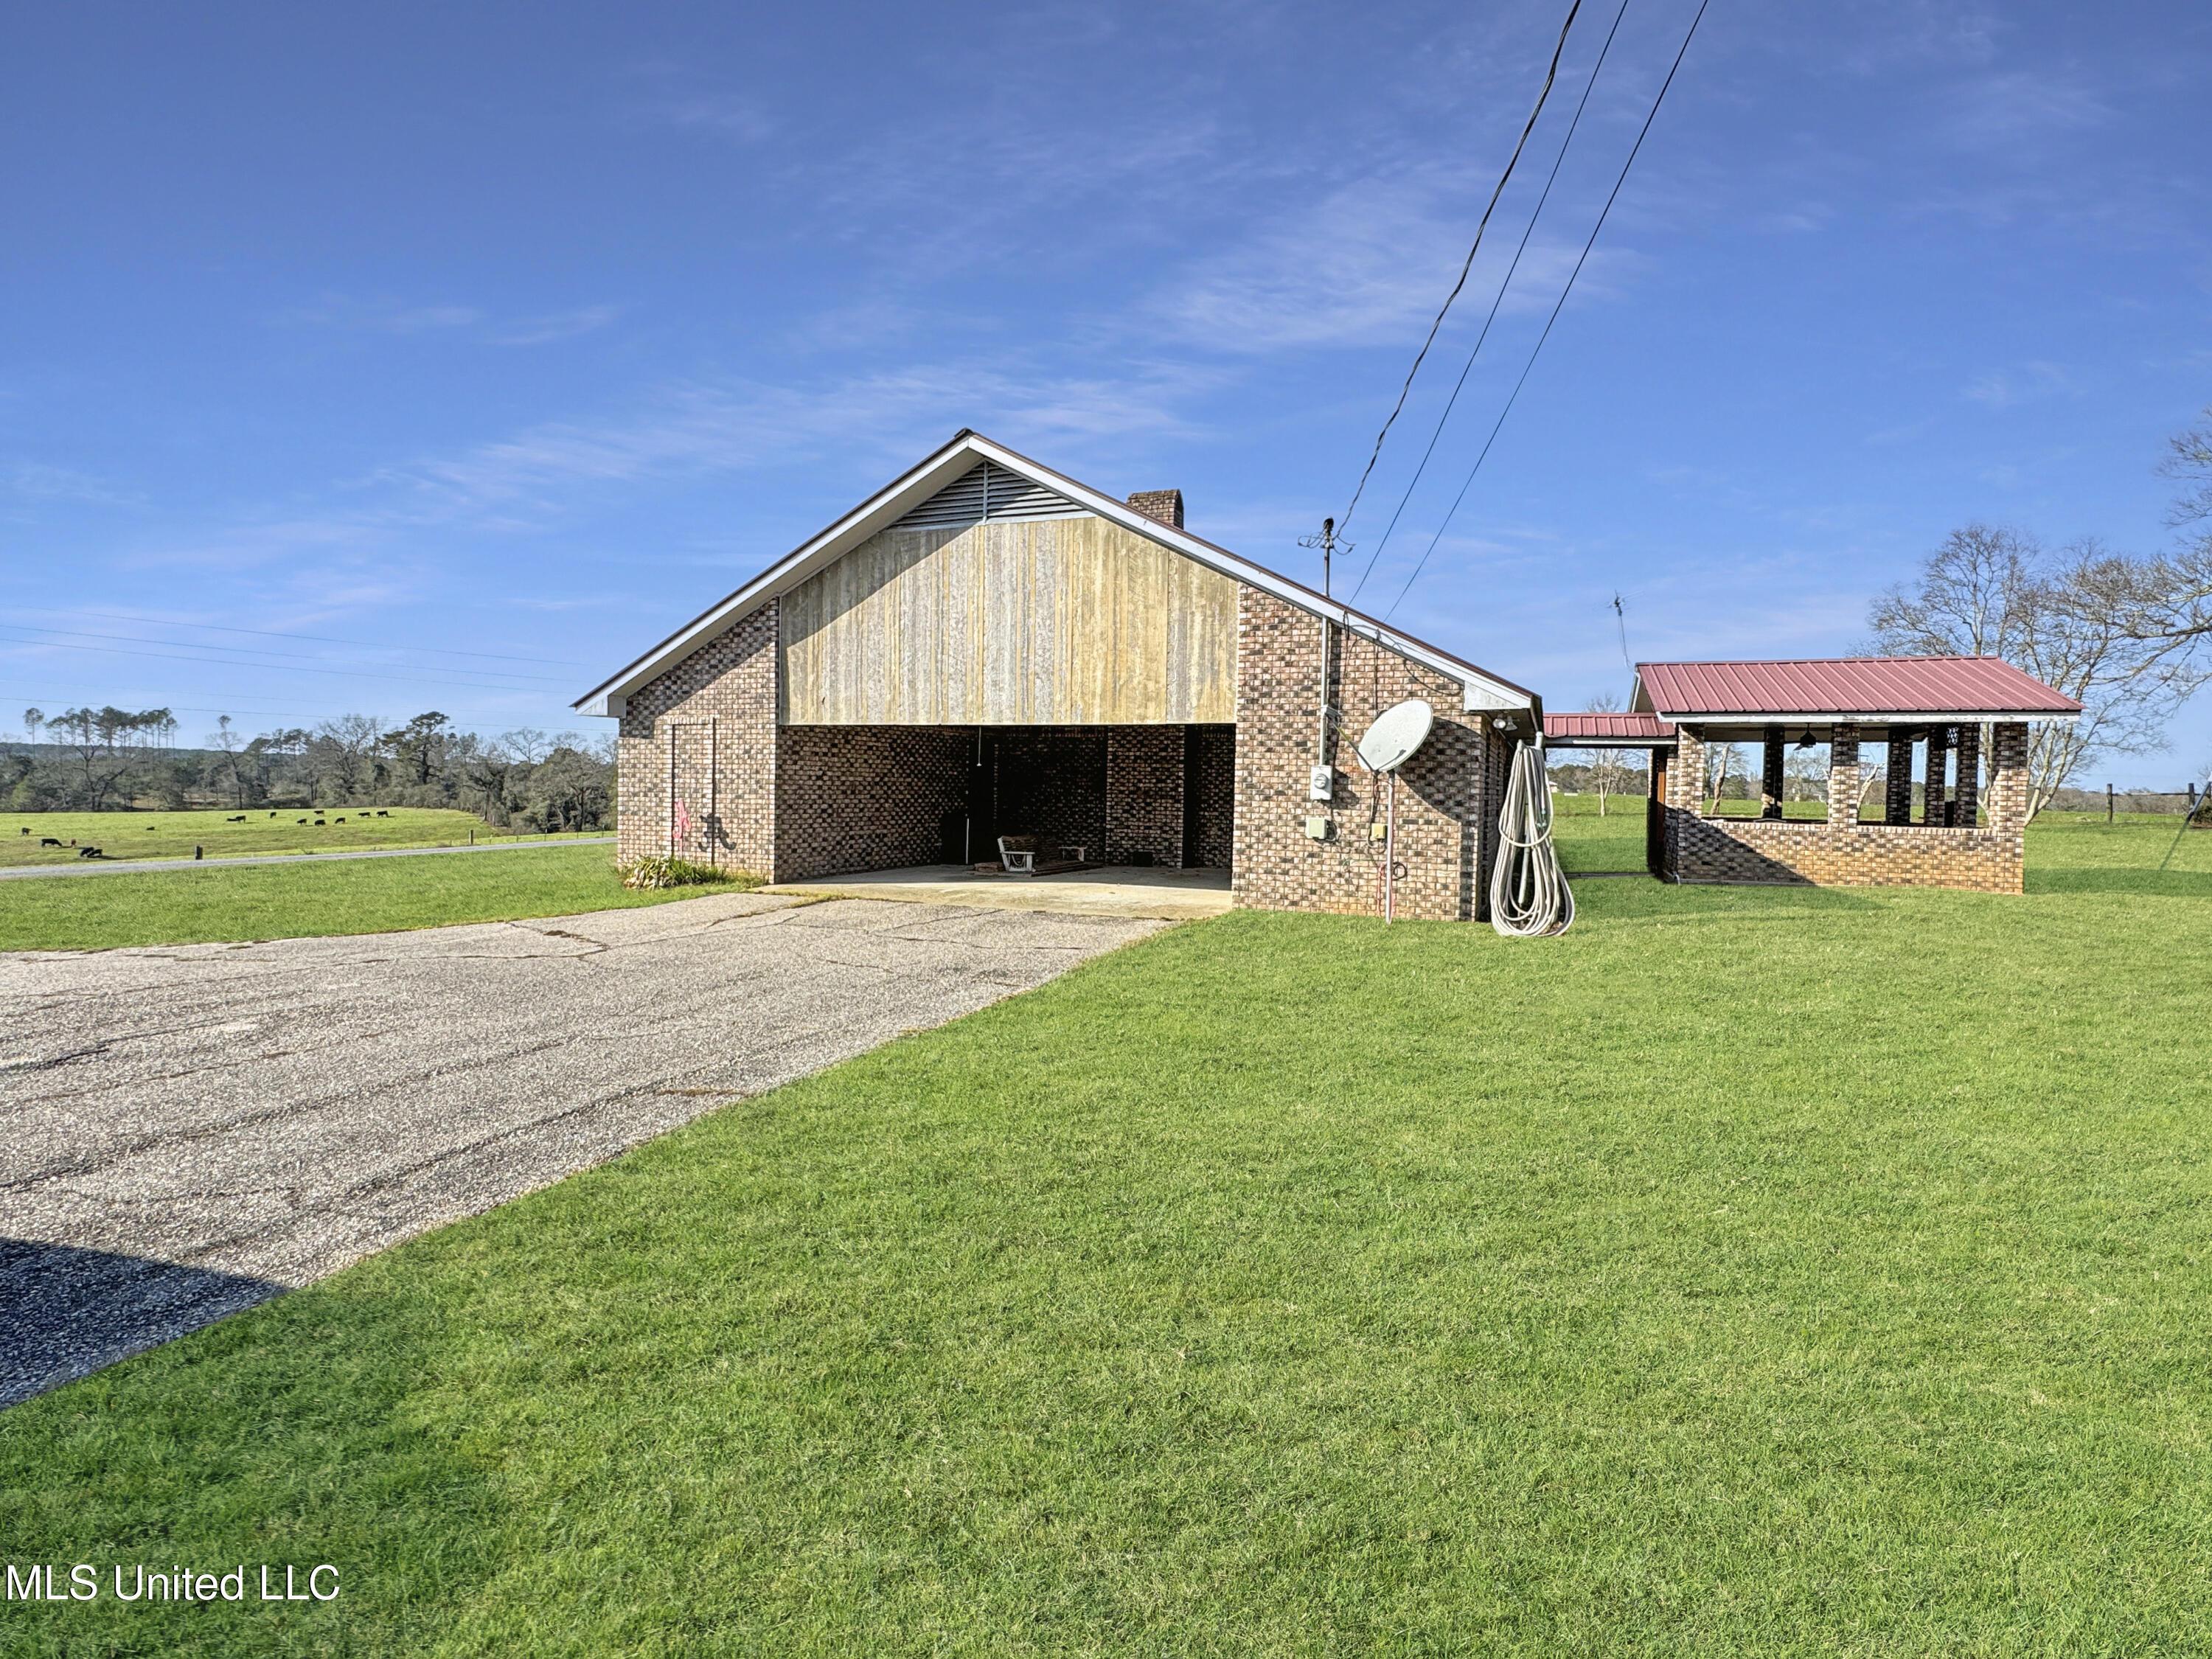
point(32, 720)
point(2064, 618)
point(1805, 775)
point(525, 744)
point(1608, 768)
point(343, 751)
point(1720, 761)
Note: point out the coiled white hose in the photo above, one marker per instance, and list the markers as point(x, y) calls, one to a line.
point(1528, 895)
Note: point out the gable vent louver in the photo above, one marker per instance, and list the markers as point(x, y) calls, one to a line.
point(984, 493)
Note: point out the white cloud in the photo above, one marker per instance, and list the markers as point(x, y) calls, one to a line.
point(1368, 266)
point(353, 314)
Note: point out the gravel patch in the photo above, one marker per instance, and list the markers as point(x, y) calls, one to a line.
point(186, 1130)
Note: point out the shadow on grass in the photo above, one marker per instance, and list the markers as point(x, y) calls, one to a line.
point(1619, 900)
point(2147, 884)
point(65, 1312)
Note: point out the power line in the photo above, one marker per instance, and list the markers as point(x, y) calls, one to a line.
point(273, 633)
point(1551, 75)
point(340, 674)
point(236, 655)
point(1513, 396)
point(1497, 300)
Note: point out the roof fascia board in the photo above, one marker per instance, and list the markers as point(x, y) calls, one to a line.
point(1481, 691)
point(1890, 717)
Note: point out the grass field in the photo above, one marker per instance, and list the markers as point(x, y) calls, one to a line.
point(1752, 1270)
point(174, 834)
point(293, 900)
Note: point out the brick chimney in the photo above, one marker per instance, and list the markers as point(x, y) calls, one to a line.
point(1165, 505)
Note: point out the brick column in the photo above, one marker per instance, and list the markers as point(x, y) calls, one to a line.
point(1685, 792)
point(1844, 776)
point(1897, 791)
point(1771, 779)
point(2008, 778)
point(1968, 790)
point(1934, 787)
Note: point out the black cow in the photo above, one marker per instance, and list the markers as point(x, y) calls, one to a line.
point(90, 853)
point(46, 841)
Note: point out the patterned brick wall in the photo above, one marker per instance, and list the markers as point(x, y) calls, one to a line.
point(1447, 794)
point(1210, 813)
point(1842, 852)
point(704, 734)
point(867, 797)
point(1050, 781)
point(1144, 795)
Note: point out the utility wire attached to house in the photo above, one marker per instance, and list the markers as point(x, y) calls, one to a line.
point(1551, 75)
point(1621, 620)
point(1514, 396)
point(1496, 300)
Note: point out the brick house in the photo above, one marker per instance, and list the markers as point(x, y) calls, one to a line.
point(1939, 821)
point(985, 646)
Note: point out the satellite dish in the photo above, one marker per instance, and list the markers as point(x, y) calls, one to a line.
point(1397, 733)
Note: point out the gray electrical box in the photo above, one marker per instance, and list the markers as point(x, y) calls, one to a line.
point(1323, 784)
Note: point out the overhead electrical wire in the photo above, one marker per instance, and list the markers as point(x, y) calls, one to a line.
point(1551, 75)
point(217, 662)
point(1497, 300)
point(238, 654)
point(1514, 396)
point(274, 634)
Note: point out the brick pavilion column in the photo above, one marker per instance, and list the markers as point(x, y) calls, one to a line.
point(1934, 787)
point(1844, 776)
point(2008, 778)
point(1967, 791)
point(1771, 782)
point(1897, 792)
point(1685, 793)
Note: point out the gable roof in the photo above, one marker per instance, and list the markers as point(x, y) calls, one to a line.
point(951, 465)
point(1834, 687)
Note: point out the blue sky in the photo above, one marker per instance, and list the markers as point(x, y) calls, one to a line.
point(527, 332)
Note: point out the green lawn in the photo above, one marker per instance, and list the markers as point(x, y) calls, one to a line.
point(292, 901)
point(174, 834)
point(1774, 1271)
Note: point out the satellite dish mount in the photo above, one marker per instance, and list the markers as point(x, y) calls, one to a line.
point(1397, 734)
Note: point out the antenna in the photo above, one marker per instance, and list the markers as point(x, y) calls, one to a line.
point(1621, 620)
point(1328, 543)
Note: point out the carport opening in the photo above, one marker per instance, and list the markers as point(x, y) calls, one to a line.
point(1089, 799)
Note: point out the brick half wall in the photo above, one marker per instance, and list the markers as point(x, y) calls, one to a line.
point(1842, 852)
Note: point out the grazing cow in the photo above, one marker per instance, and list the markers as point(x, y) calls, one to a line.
point(272, 815)
point(299, 820)
point(46, 841)
point(90, 853)
point(341, 820)
point(381, 814)
point(240, 818)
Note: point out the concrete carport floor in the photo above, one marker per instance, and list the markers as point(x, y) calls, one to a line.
point(186, 1130)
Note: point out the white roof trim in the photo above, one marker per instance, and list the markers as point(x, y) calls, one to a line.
point(890, 504)
point(1892, 717)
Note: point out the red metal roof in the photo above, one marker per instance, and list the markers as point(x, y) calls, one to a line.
point(1849, 685)
point(1581, 730)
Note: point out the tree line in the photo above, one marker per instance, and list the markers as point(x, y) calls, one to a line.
point(110, 759)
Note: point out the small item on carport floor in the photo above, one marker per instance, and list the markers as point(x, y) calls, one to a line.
point(1018, 856)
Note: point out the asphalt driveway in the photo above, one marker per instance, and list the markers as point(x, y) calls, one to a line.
point(186, 1130)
